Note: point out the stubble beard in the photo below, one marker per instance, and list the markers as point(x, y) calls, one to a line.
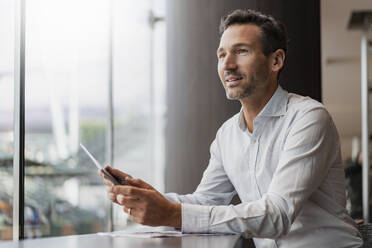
point(245, 90)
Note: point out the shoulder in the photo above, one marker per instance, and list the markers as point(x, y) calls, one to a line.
point(299, 107)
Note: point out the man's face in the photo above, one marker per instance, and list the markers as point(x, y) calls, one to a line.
point(242, 66)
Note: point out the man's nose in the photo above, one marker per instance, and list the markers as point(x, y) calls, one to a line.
point(229, 62)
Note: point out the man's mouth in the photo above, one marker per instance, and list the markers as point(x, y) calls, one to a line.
point(233, 81)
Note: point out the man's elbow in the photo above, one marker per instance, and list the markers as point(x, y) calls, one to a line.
point(280, 222)
point(273, 225)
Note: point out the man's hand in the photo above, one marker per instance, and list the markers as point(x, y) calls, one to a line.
point(147, 206)
point(119, 176)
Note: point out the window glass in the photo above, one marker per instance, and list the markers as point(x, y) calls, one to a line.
point(67, 53)
point(159, 92)
point(139, 86)
point(6, 117)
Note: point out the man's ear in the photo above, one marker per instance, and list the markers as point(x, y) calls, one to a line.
point(278, 58)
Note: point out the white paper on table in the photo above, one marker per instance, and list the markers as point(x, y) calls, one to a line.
point(155, 234)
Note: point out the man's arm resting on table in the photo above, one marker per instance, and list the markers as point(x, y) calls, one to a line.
point(305, 156)
point(302, 167)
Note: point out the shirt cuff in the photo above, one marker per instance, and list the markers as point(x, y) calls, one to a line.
point(171, 197)
point(195, 218)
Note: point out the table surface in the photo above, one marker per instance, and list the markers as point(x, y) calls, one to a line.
point(94, 240)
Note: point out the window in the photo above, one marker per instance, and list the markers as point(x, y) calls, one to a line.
point(139, 88)
point(6, 117)
point(76, 49)
point(66, 103)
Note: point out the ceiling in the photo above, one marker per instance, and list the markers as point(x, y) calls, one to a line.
point(341, 67)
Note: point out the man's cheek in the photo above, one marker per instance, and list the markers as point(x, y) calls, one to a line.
point(222, 80)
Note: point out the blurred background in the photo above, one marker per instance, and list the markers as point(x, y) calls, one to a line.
point(136, 83)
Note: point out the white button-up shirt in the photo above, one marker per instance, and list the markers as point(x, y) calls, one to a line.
point(288, 174)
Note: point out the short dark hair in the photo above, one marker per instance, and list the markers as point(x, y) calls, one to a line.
point(274, 34)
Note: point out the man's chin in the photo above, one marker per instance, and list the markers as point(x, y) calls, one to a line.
point(239, 93)
point(232, 95)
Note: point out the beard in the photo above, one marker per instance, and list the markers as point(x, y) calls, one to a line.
point(256, 81)
point(244, 89)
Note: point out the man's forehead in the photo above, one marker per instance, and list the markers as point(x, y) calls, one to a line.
point(239, 34)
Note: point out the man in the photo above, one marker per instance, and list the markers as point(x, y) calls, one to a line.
point(280, 154)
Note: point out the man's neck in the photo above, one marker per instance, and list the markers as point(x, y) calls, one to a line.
point(252, 105)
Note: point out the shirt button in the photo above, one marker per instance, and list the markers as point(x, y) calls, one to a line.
point(253, 140)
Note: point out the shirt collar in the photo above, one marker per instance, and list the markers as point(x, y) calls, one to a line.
point(276, 106)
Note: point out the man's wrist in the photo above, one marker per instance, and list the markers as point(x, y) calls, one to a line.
point(175, 216)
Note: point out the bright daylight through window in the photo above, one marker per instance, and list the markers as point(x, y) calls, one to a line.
point(74, 50)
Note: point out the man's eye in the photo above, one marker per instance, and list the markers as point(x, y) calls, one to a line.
point(221, 56)
point(239, 51)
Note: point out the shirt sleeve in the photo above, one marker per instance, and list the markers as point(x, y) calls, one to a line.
point(215, 187)
point(302, 166)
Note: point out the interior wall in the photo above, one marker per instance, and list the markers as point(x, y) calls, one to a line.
point(196, 100)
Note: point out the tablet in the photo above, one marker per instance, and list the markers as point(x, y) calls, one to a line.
point(99, 166)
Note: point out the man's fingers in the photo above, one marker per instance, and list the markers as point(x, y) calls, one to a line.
point(107, 182)
point(120, 176)
point(132, 191)
point(117, 173)
point(139, 183)
point(127, 201)
point(133, 214)
point(112, 197)
point(132, 211)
